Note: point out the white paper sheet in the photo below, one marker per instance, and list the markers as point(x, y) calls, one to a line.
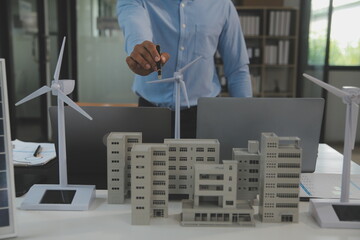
point(23, 153)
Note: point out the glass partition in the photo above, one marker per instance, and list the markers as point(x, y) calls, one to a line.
point(103, 75)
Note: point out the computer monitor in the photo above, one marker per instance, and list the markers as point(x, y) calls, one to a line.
point(234, 121)
point(85, 147)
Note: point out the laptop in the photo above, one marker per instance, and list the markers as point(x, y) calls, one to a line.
point(85, 148)
point(234, 121)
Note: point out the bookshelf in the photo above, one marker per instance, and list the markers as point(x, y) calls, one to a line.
point(271, 35)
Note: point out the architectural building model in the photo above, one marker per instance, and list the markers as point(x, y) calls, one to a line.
point(119, 146)
point(248, 171)
point(183, 155)
point(218, 194)
point(219, 182)
point(280, 170)
point(149, 178)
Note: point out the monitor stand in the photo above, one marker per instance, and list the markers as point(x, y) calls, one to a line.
point(331, 213)
point(61, 198)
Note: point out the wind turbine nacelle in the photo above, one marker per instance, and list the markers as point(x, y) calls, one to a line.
point(66, 86)
point(352, 90)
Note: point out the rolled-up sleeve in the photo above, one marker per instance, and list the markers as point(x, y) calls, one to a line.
point(233, 51)
point(134, 22)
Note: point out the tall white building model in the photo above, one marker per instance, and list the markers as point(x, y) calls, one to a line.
point(280, 170)
point(119, 145)
point(248, 171)
point(217, 181)
point(183, 155)
point(149, 177)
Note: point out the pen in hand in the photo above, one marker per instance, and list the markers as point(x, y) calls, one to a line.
point(37, 151)
point(158, 64)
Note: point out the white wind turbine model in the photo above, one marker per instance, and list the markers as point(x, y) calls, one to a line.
point(61, 196)
point(329, 212)
point(179, 84)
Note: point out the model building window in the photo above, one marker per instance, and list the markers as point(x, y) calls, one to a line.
point(159, 173)
point(172, 149)
point(172, 177)
point(229, 203)
point(172, 167)
point(172, 158)
point(114, 152)
point(211, 149)
point(183, 159)
point(158, 192)
point(183, 167)
point(199, 159)
point(159, 153)
point(132, 140)
point(199, 149)
point(140, 156)
point(211, 159)
point(183, 149)
point(159, 202)
point(159, 163)
point(182, 177)
point(159, 183)
point(287, 185)
point(254, 162)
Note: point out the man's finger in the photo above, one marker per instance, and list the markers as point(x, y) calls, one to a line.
point(164, 57)
point(151, 48)
point(137, 56)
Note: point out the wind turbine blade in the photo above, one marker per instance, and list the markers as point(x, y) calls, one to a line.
point(163, 80)
point(35, 94)
point(184, 91)
point(189, 64)
point(58, 65)
point(354, 121)
point(336, 91)
point(72, 104)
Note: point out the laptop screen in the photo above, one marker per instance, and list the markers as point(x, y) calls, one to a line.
point(85, 148)
point(234, 121)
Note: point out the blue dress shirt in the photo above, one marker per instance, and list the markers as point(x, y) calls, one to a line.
point(187, 29)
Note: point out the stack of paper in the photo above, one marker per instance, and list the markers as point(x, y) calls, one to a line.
point(325, 185)
point(23, 153)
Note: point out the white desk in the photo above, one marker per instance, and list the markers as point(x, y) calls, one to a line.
point(104, 221)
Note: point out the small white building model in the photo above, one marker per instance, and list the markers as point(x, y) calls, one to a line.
point(183, 155)
point(149, 177)
point(119, 146)
point(217, 181)
point(248, 171)
point(280, 170)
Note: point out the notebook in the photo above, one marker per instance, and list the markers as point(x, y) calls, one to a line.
point(234, 121)
point(86, 151)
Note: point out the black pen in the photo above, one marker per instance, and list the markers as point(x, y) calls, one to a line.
point(37, 151)
point(158, 64)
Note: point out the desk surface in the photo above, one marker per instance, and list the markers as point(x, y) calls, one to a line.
point(105, 221)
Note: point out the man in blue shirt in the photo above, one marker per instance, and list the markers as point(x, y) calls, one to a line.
point(185, 30)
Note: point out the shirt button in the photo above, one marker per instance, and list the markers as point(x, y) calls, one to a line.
point(182, 48)
point(183, 25)
point(182, 4)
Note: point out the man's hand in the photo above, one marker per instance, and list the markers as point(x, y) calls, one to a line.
point(144, 57)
